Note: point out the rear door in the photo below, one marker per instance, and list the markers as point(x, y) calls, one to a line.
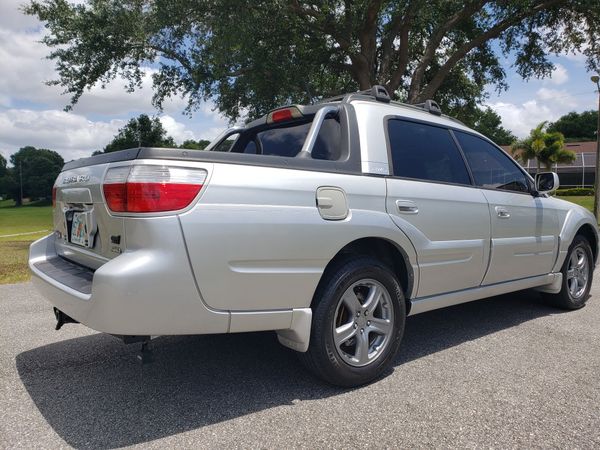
point(524, 228)
point(430, 198)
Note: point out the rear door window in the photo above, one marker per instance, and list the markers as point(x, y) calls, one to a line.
point(425, 152)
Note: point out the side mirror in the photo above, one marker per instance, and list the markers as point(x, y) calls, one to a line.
point(546, 182)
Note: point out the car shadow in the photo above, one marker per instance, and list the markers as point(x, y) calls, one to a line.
point(94, 394)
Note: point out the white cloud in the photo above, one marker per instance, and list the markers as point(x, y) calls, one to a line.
point(547, 105)
point(561, 98)
point(74, 136)
point(176, 130)
point(25, 69)
point(31, 111)
point(12, 18)
point(520, 119)
point(559, 75)
point(30, 69)
point(115, 100)
point(577, 56)
point(71, 135)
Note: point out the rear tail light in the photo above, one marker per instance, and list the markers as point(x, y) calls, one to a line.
point(145, 189)
point(53, 196)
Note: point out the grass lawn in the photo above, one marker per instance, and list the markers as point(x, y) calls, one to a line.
point(14, 249)
point(587, 201)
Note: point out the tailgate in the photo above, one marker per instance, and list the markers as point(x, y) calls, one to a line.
point(86, 232)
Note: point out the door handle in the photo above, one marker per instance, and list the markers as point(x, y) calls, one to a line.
point(502, 212)
point(407, 207)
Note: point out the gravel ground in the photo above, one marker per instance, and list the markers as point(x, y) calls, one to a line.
point(504, 372)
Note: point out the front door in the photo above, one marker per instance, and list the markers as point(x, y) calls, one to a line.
point(524, 229)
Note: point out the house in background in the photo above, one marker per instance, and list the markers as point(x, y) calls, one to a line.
point(579, 173)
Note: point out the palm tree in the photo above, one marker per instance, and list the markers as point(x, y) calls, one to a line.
point(546, 148)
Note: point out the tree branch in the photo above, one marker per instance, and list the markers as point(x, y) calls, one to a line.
point(329, 28)
point(434, 43)
point(400, 27)
point(492, 33)
point(367, 37)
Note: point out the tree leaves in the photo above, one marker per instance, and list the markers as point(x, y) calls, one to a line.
point(547, 148)
point(251, 56)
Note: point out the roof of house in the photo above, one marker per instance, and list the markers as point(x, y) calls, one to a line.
point(577, 147)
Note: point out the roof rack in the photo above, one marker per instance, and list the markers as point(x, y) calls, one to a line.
point(379, 93)
point(430, 106)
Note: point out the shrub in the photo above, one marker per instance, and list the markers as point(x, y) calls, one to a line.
point(574, 191)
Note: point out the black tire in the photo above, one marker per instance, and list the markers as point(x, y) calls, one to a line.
point(355, 276)
point(565, 298)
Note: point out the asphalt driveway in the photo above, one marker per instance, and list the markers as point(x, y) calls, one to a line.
point(504, 372)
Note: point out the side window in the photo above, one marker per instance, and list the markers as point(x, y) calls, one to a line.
point(288, 141)
point(490, 167)
point(328, 144)
point(250, 148)
point(425, 152)
point(283, 141)
point(227, 144)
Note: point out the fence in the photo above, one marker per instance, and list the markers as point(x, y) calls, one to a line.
point(579, 173)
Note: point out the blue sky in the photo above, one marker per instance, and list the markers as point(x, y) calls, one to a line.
point(31, 113)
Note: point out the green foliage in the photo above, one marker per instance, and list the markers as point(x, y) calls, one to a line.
point(195, 145)
point(5, 179)
point(3, 164)
point(250, 56)
point(38, 168)
point(575, 192)
point(547, 147)
point(140, 132)
point(577, 126)
point(488, 123)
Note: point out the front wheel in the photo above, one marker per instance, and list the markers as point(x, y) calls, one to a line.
point(358, 322)
point(577, 272)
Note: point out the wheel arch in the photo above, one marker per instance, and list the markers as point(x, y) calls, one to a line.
point(390, 253)
point(587, 231)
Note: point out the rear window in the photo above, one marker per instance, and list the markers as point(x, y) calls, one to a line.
point(425, 152)
point(288, 140)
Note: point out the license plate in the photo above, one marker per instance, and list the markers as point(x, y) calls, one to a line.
point(79, 231)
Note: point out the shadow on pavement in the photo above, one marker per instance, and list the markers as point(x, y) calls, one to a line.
point(94, 394)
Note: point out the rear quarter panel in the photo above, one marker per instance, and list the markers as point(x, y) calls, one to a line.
point(257, 241)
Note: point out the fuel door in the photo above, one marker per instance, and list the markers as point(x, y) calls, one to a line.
point(332, 203)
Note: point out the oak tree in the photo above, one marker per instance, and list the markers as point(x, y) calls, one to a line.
point(248, 56)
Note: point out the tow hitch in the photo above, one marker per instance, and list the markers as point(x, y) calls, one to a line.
point(62, 318)
point(145, 355)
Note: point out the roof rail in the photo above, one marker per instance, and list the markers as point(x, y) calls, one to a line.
point(430, 106)
point(380, 94)
point(377, 92)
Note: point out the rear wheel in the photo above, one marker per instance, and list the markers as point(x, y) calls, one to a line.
point(577, 271)
point(358, 323)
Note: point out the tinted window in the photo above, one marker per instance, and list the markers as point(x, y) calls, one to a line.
point(283, 141)
point(491, 168)
point(425, 152)
point(288, 141)
point(226, 145)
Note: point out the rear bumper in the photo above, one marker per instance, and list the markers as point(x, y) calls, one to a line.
point(140, 292)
